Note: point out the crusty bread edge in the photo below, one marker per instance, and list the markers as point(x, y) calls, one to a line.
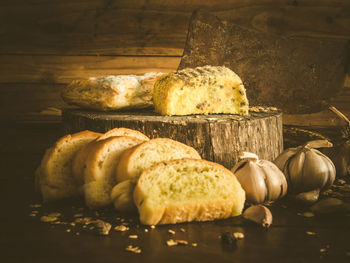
point(126, 159)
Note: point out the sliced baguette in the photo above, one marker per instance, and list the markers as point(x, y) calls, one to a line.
point(139, 158)
point(99, 173)
point(187, 190)
point(54, 177)
point(78, 164)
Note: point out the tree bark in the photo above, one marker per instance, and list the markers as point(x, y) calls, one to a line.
point(218, 138)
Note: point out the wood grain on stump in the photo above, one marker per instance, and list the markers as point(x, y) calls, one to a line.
point(218, 138)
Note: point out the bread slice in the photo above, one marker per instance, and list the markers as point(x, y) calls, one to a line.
point(99, 174)
point(201, 90)
point(139, 158)
point(122, 196)
point(78, 163)
point(54, 176)
point(187, 190)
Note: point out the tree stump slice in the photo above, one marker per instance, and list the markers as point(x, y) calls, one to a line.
point(218, 137)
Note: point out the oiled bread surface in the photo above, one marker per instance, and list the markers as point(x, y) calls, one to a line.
point(187, 190)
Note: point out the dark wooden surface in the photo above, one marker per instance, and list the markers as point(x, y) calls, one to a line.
point(24, 238)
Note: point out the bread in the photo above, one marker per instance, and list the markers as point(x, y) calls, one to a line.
point(187, 190)
point(78, 163)
point(111, 92)
point(201, 90)
point(99, 174)
point(122, 196)
point(139, 158)
point(54, 176)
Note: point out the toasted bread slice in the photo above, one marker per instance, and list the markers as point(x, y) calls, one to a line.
point(54, 177)
point(187, 190)
point(78, 164)
point(99, 174)
point(139, 158)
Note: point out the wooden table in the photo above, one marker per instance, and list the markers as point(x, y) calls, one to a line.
point(293, 237)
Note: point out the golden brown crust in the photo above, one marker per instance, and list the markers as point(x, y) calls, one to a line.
point(99, 173)
point(125, 169)
point(53, 185)
point(79, 160)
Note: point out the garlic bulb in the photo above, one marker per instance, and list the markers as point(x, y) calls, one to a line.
point(306, 168)
point(262, 180)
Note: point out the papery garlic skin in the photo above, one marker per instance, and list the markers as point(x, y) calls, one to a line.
point(261, 179)
point(306, 169)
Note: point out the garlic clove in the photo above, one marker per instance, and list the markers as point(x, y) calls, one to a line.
point(308, 197)
point(259, 214)
point(276, 184)
point(330, 205)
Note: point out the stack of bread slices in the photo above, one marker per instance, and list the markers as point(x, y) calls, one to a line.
point(164, 180)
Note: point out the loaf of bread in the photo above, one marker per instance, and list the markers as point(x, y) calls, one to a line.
point(201, 90)
point(54, 177)
point(99, 174)
point(187, 190)
point(139, 158)
point(79, 159)
point(111, 92)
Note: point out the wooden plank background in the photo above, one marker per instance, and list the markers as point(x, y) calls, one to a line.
point(46, 44)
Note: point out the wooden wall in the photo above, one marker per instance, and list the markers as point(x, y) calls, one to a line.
point(46, 44)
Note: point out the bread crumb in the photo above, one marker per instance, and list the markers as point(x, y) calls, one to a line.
point(54, 214)
point(182, 230)
point(310, 233)
point(171, 231)
point(182, 242)
point(133, 236)
point(153, 227)
point(146, 230)
point(48, 219)
point(68, 230)
point(238, 235)
point(194, 244)
point(136, 250)
point(121, 228)
point(171, 242)
point(308, 214)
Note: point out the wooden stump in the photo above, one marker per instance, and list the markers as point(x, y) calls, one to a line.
point(218, 138)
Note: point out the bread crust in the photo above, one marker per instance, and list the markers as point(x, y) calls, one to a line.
point(111, 92)
point(79, 160)
point(125, 169)
point(170, 212)
point(98, 182)
point(56, 187)
point(200, 90)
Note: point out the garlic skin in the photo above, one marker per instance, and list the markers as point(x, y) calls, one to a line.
point(306, 168)
point(262, 180)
